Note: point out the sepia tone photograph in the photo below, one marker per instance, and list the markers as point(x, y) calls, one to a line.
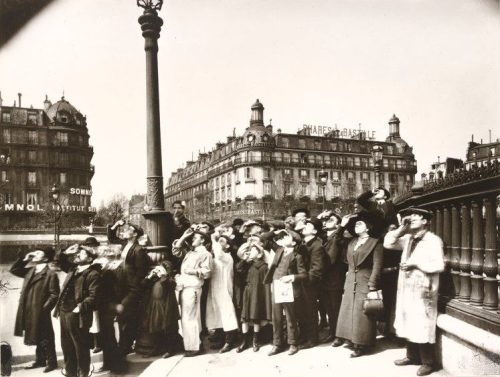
point(249, 188)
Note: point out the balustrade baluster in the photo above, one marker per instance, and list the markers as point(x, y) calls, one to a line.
point(445, 285)
point(490, 267)
point(476, 266)
point(465, 255)
point(455, 249)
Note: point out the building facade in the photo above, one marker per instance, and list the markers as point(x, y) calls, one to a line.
point(40, 148)
point(265, 173)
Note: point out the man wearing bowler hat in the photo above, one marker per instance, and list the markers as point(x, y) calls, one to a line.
point(418, 283)
point(38, 297)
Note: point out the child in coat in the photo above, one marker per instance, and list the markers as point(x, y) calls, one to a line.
point(257, 307)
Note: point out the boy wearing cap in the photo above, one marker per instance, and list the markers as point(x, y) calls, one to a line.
point(287, 266)
point(75, 306)
point(38, 297)
point(416, 306)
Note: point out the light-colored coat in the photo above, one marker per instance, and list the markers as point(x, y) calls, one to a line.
point(417, 296)
point(220, 308)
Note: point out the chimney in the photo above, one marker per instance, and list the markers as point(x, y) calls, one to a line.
point(47, 103)
point(394, 126)
point(19, 95)
point(257, 118)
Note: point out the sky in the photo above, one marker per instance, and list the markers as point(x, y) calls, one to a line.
point(435, 64)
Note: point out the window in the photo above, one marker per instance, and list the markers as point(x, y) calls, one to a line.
point(229, 196)
point(4, 176)
point(311, 159)
point(266, 173)
point(6, 136)
point(285, 142)
point(6, 117)
point(33, 137)
point(286, 157)
point(335, 176)
point(326, 159)
point(350, 176)
point(350, 161)
point(32, 156)
point(408, 178)
point(302, 143)
point(62, 138)
point(267, 188)
point(31, 198)
point(62, 179)
point(357, 161)
point(393, 178)
point(304, 175)
point(319, 159)
point(386, 163)
point(32, 118)
point(390, 149)
point(287, 173)
point(228, 179)
point(223, 180)
point(287, 188)
point(333, 146)
point(348, 147)
point(248, 173)
point(7, 198)
point(31, 177)
point(304, 189)
point(317, 144)
point(364, 162)
point(365, 176)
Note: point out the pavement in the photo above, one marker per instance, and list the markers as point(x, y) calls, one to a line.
point(320, 361)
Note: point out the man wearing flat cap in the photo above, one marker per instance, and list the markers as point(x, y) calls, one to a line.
point(38, 297)
point(418, 283)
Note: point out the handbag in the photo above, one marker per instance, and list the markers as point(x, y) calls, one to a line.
point(374, 307)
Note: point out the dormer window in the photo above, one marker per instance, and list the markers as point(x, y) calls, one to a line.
point(265, 138)
point(251, 138)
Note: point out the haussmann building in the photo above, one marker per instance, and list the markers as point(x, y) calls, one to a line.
point(40, 148)
point(265, 173)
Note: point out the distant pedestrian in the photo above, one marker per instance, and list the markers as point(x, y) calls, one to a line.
point(38, 297)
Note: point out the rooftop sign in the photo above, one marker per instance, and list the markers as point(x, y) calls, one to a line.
point(315, 130)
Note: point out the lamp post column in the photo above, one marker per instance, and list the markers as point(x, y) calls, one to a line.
point(156, 217)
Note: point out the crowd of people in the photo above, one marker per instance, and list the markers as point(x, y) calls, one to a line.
point(237, 283)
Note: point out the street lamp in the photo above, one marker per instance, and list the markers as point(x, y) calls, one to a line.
point(54, 196)
point(377, 155)
point(323, 178)
point(156, 218)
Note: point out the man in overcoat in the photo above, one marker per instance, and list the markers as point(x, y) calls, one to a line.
point(314, 257)
point(75, 308)
point(418, 283)
point(38, 298)
point(134, 268)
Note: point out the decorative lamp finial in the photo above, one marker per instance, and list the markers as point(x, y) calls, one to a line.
point(150, 4)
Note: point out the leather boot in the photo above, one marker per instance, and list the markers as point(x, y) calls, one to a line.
point(256, 345)
point(245, 342)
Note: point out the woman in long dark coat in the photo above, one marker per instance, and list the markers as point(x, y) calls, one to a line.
point(160, 314)
point(364, 258)
point(257, 305)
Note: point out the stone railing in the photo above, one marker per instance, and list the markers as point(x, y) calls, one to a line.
point(465, 217)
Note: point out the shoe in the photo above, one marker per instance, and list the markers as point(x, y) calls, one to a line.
point(226, 348)
point(275, 350)
point(36, 364)
point(50, 368)
point(97, 350)
point(309, 344)
point(328, 339)
point(255, 343)
point(244, 343)
point(425, 370)
point(337, 342)
point(357, 353)
point(293, 350)
point(405, 361)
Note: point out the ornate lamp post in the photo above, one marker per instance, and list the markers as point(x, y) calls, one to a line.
point(377, 155)
point(156, 217)
point(54, 197)
point(323, 178)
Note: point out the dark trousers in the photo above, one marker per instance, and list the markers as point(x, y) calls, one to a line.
point(75, 343)
point(291, 324)
point(111, 358)
point(309, 315)
point(389, 286)
point(203, 303)
point(331, 300)
point(45, 346)
point(421, 352)
point(127, 325)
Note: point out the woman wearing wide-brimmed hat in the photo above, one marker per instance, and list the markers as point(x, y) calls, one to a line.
point(364, 258)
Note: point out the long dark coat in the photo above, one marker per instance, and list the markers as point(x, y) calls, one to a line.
point(160, 310)
point(365, 265)
point(38, 297)
point(335, 266)
point(257, 303)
